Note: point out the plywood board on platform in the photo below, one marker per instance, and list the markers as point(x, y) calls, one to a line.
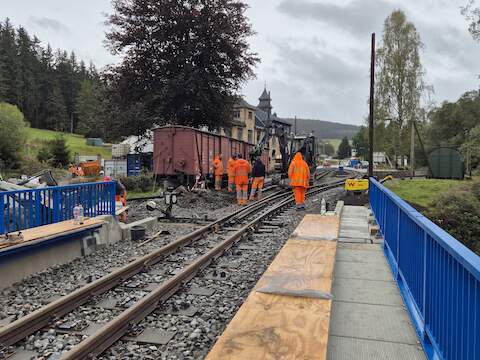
point(312, 258)
point(291, 326)
point(273, 327)
point(50, 230)
point(317, 227)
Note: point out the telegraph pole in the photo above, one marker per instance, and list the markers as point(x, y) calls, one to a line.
point(372, 109)
point(412, 152)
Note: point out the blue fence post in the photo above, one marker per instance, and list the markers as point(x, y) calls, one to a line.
point(2, 214)
point(56, 205)
point(113, 189)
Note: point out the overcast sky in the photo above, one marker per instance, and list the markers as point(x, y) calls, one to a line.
point(315, 53)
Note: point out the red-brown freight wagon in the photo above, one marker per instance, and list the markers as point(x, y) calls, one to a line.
point(184, 152)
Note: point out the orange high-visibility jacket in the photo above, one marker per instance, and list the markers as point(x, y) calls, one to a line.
point(298, 172)
point(242, 168)
point(217, 167)
point(231, 167)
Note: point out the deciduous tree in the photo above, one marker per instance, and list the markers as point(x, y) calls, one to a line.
point(12, 134)
point(400, 83)
point(183, 60)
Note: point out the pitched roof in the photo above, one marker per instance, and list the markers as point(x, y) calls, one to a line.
point(241, 103)
point(263, 117)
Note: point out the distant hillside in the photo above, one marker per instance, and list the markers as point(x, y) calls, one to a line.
point(325, 129)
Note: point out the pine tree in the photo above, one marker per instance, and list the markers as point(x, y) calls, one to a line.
point(8, 53)
point(86, 110)
point(344, 149)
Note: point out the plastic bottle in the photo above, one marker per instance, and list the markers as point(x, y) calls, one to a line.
point(76, 215)
point(81, 214)
point(323, 207)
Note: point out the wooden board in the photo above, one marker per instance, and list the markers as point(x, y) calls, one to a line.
point(45, 231)
point(318, 227)
point(272, 327)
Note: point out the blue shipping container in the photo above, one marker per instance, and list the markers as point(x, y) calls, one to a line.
point(134, 164)
point(354, 162)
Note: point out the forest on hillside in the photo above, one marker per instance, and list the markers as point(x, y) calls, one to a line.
point(52, 88)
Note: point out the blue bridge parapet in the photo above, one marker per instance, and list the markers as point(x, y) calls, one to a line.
point(25, 209)
point(439, 278)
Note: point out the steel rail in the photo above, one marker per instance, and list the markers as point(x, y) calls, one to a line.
point(40, 318)
point(106, 336)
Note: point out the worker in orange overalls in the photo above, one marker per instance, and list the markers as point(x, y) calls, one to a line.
point(218, 171)
point(299, 175)
point(242, 168)
point(120, 197)
point(258, 174)
point(231, 173)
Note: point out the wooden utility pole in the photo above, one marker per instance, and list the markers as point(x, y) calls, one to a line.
point(412, 151)
point(372, 109)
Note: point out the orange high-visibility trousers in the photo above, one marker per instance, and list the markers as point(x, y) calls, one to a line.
point(257, 186)
point(242, 194)
point(299, 194)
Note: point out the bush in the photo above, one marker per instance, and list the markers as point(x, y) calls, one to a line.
point(31, 166)
point(142, 183)
point(12, 135)
point(60, 152)
point(458, 212)
point(44, 154)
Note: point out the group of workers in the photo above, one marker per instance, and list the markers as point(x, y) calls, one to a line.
point(239, 169)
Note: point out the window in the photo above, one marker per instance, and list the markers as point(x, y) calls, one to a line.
point(259, 136)
point(228, 132)
point(250, 136)
point(250, 115)
point(240, 134)
point(236, 114)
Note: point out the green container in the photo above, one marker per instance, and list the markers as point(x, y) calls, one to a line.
point(94, 142)
point(446, 163)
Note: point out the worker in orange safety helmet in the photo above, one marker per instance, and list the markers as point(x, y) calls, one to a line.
point(218, 171)
point(258, 174)
point(231, 173)
point(299, 175)
point(242, 169)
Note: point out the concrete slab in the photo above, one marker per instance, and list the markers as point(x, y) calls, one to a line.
point(361, 256)
point(366, 271)
point(364, 247)
point(374, 322)
point(354, 234)
point(352, 240)
point(366, 291)
point(368, 319)
point(344, 348)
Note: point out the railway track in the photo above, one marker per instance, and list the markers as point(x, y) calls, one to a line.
point(245, 219)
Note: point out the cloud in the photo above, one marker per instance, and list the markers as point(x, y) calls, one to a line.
point(326, 82)
point(49, 24)
point(357, 17)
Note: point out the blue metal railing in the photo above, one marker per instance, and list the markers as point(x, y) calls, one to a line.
point(438, 277)
point(24, 209)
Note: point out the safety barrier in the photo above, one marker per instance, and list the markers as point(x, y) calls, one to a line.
point(24, 209)
point(438, 277)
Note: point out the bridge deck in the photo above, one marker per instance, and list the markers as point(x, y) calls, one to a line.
point(368, 319)
point(365, 320)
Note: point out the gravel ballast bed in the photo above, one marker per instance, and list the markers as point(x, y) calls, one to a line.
point(195, 335)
